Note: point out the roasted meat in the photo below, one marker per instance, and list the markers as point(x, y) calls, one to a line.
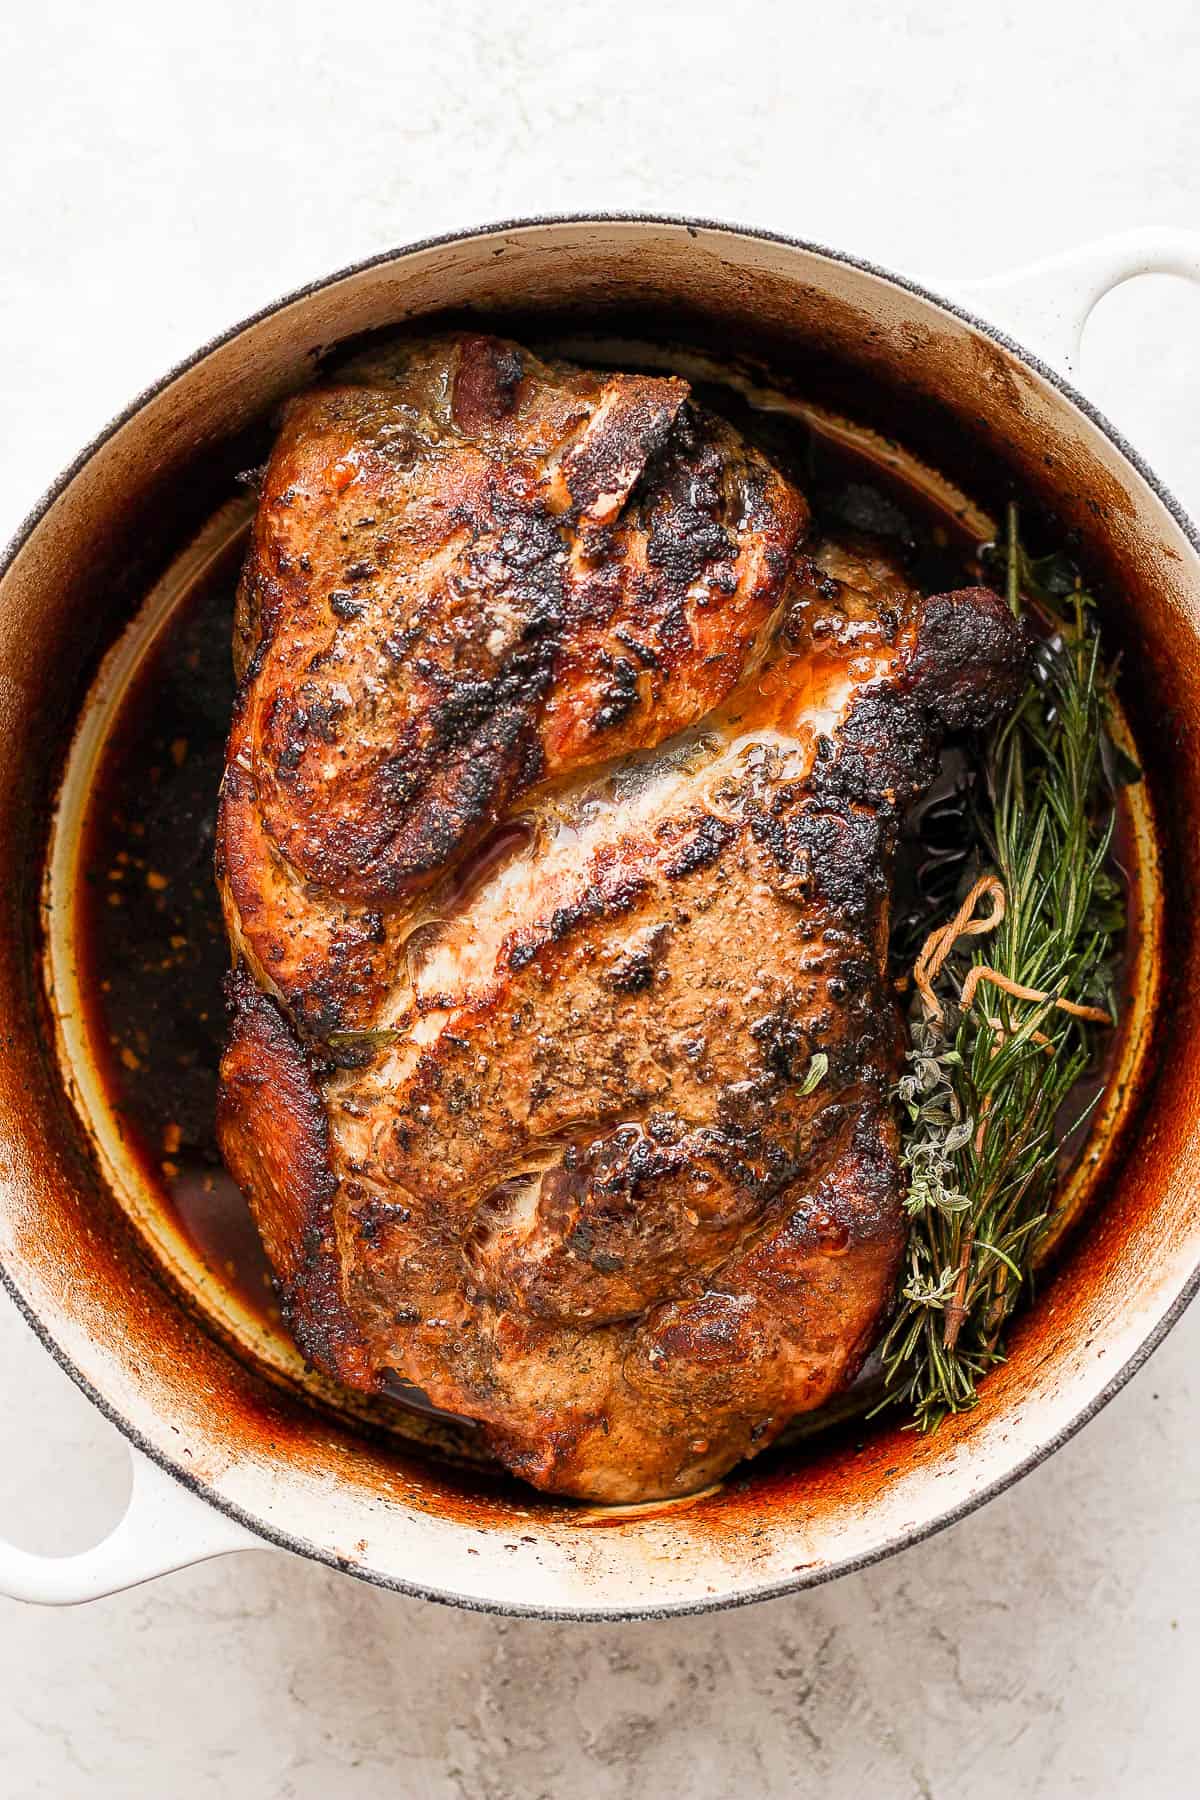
point(554, 847)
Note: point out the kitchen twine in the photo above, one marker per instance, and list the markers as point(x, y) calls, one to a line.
point(940, 943)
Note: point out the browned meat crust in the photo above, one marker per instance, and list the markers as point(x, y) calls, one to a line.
point(554, 843)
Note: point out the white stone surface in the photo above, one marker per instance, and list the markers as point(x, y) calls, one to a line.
point(166, 170)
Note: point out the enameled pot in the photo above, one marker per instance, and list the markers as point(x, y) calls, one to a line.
point(225, 1458)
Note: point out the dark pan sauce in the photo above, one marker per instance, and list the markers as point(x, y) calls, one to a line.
point(151, 941)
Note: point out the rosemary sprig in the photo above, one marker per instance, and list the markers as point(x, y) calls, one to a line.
point(986, 1083)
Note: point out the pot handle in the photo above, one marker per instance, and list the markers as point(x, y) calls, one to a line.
point(1047, 304)
point(164, 1527)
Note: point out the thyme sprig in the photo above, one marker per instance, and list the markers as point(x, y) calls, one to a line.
point(989, 1073)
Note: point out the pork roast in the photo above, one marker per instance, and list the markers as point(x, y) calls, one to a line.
point(554, 847)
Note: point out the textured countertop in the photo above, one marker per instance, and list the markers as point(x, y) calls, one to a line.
point(167, 170)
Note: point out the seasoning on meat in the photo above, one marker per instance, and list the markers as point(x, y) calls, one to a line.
point(554, 845)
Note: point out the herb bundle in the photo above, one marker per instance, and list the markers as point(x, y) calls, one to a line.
point(1010, 1008)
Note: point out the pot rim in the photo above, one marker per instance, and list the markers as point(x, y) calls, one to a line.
point(915, 1534)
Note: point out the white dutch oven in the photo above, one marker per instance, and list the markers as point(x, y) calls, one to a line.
point(227, 1459)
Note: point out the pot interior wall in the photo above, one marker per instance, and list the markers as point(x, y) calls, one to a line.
point(852, 338)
